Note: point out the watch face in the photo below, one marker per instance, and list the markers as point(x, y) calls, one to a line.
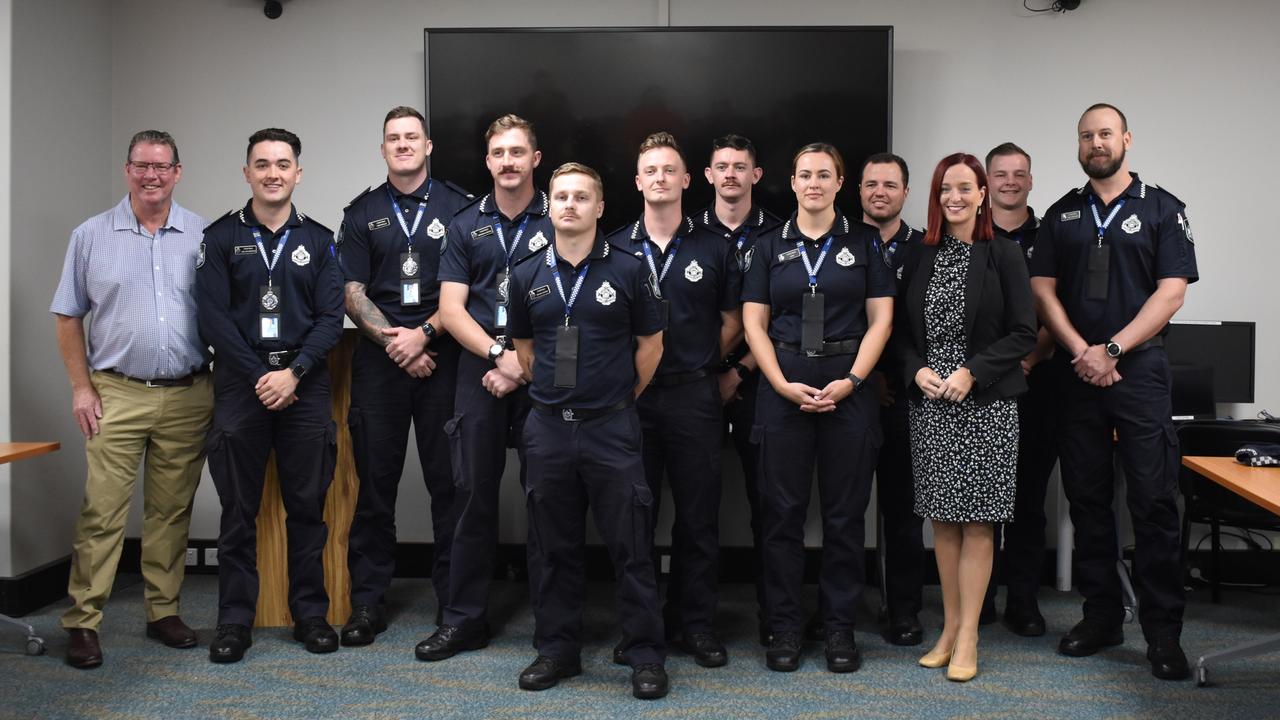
point(1113, 350)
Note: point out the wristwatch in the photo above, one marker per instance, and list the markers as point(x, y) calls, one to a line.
point(429, 330)
point(1113, 349)
point(857, 381)
point(298, 370)
point(495, 351)
point(742, 370)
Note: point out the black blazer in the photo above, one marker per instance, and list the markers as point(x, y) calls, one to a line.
point(999, 318)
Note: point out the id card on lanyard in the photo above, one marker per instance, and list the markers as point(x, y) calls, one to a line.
point(666, 267)
point(1099, 264)
point(269, 309)
point(503, 279)
point(812, 303)
point(566, 352)
point(410, 262)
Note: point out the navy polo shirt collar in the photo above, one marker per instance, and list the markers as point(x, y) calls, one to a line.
point(539, 205)
point(418, 194)
point(639, 232)
point(1031, 223)
point(599, 249)
point(247, 217)
point(791, 230)
point(754, 219)
point(1136, 188)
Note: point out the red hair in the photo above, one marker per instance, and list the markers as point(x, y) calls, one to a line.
point(982, 229)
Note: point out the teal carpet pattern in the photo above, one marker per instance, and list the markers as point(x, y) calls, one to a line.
point(1018, 677)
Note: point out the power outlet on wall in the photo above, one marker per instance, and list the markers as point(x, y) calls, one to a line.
point(211, 557)
point(193, 557)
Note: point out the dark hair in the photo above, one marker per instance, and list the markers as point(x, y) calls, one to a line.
point(275, 135)
point(982, 229)
point(662, 139)
point(404, 111)
point(152, 137)
point(573, 168)
point(734, 142)
point(511, 122)
point(885, 158)
point(820, 147)
point(1124, 121)
point(1007, 149)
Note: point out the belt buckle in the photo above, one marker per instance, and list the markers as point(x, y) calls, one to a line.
point(811, 353)
point(151, 384)
point(273, 358)
point(567, 415)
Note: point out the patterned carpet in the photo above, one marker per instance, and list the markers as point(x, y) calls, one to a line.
point(1019, 677)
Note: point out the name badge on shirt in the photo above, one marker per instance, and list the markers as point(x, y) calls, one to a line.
point(246, 249)
point(791, 254)
point(481, 232)
point(268, 313)
point(812, 332)
point(566, 356)
point(379, 224)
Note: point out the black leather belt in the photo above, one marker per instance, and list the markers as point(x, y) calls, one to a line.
point(677, 378)
point(841, 347)
point(279, 359)
point(185, 381)
point(569, 414)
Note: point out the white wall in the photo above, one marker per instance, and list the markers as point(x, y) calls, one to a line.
point(967, 75)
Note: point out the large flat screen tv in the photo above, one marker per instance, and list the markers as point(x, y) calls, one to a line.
point(594, 94)
point(1223, 345)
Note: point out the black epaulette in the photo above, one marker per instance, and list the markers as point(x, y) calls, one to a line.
point(449, 184)
point(624, 252)
point(1162, 191)
point(356, 199)
point(619, 230)
point(308, 220)
point(472, 201)
point(229, 214)
point(541, 254)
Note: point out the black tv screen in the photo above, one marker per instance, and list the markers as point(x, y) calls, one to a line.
point(1225, 346)
point(593, 95)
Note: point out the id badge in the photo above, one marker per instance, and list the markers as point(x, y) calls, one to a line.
point(269, 326)
point(812, 332)
point(566, 356)
point(504, 284)
point(409, 292)
point(1099, 274)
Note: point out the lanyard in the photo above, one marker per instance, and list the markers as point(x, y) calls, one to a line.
point(502, 238)
point(813, 269)
point(572, 297)
point(409, 232)
point(886, 251)
point(271, 264)
point(1097, 219)
point(742, 237)
point(666, 265)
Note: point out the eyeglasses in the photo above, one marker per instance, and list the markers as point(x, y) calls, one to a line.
point(140, 168)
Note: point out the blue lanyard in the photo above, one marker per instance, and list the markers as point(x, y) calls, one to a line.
point(1097, 219)
point(666, 265)
point(271, 264)
point(502, 238)
point(813, 269)
point(409, 232)
point(577, 284)
point(742, 238)
point(887, 250)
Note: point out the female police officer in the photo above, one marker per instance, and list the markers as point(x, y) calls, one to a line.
point(817, 314)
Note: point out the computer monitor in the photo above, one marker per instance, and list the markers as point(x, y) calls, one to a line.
point(1223, 345)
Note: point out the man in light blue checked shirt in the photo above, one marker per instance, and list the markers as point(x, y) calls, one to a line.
point(140, 388)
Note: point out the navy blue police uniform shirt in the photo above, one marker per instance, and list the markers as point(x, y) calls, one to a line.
point(702, 280)
point(475, 257)
point(1024, 235)
point(776, 276)
point(615, 305)
point(1149, 239)
point(372, 240)
point(306, 280)
point(893, 255)
point(757, 221)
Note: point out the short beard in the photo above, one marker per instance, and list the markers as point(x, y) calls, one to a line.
point(1105, 171)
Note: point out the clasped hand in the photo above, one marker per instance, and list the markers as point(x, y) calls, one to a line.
point(954, 388)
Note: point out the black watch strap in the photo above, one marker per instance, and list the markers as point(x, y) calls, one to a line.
point(857, 381)
point(429, 330)
point(742, 370)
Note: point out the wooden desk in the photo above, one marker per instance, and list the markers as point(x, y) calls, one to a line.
point(13, 451)
point(1261, 486)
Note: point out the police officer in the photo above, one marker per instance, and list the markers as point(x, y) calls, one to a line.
point(738, 221)
point(699, 281)
point(270, 304)
point(1110, 268)
point(587, 327)
point(817, 310)
point(487, 238)
point(883, 189)
point(404, 367)
point(1020, 560)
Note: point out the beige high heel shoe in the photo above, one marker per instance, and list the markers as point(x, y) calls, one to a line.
point(959, 673)
point(936, 658)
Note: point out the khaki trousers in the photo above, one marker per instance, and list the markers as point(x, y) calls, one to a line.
point(164, 428)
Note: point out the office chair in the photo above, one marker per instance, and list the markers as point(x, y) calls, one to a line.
point(1207, 502)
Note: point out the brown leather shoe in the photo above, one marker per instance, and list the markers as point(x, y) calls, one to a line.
point(83, 650)
point(172, 632)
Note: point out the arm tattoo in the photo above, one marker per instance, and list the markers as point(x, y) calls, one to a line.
point(365, 314)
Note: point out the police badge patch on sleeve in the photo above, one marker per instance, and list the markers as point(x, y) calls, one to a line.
point(1184, 222)
point(200, 257)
